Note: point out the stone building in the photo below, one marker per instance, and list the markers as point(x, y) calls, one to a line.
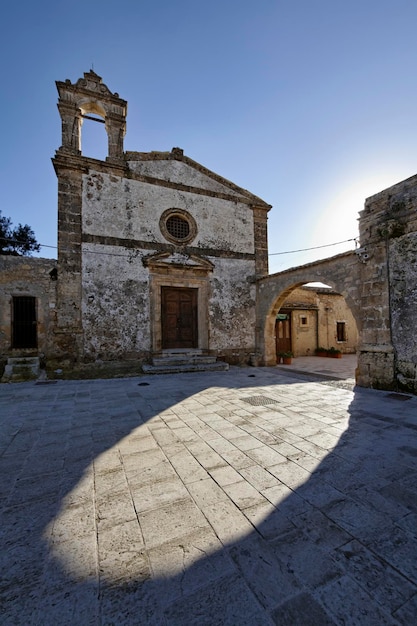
point(155, 252)
point(27, 311)
point(313, 317)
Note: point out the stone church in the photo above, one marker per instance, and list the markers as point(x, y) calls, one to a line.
point(156, 253)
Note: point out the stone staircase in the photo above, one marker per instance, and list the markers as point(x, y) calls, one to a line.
point(176, 361)
point(19, 369)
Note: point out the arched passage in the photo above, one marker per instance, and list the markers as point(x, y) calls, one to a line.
point(341, 272)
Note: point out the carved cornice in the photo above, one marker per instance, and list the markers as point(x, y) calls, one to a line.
point(90, 85)
point(166, 260)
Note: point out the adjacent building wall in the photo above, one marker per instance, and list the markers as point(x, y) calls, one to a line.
point(333, 310)
point(25, 276)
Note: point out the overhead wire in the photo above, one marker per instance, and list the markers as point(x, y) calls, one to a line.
point(327, 245)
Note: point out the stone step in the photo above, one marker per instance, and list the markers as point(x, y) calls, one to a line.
point(19, 369)
point(183, 359)
point(183, 351)
point(216, 366)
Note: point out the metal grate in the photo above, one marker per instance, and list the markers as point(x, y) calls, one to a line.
point(259, 400)
point(178, 227)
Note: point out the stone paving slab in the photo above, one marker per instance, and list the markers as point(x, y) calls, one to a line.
point(257, 496)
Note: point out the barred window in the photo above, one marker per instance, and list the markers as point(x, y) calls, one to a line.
point(178, 226)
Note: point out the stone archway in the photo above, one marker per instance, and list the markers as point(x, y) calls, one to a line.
point(342, 272)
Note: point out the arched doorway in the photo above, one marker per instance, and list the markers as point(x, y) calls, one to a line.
point(315, 320)
point(341, 274)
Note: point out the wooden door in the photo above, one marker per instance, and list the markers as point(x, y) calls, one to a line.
point(283, 332)
point(179, 318)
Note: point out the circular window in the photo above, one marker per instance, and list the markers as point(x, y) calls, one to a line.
point(178, 226)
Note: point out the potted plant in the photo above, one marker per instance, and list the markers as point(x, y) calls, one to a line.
point(321, 352)
point(334, 353)
point(286, 357)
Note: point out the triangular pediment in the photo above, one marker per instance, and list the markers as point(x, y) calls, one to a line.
point(173, 168)
point(180, 260)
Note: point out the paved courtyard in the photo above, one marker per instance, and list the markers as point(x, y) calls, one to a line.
point(257, 496)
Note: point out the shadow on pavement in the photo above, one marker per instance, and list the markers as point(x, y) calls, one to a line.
point(332, 542)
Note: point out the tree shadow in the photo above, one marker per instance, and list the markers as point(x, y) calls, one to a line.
point(262, 500)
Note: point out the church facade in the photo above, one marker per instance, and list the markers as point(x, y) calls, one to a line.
point(155, 252)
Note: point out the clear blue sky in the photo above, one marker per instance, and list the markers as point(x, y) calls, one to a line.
point(310, 104)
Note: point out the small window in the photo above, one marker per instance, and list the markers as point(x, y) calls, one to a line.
point(303, 321)
point(341, 331)
point(178, 226)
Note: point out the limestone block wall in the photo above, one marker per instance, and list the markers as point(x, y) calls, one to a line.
point(403, 299)
point(23, 276)
point(388, 227)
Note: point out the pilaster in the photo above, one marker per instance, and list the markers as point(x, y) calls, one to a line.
point(260, 228)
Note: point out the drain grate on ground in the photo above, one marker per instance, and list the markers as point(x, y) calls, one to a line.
point(259, 400)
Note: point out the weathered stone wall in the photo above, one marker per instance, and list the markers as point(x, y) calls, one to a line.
point(68, 332)
point(388, 227)
point(23, 276)
point(232, 309)
point(115, 304)
point(403, 298)
point(125, 208)
point(116, 311)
